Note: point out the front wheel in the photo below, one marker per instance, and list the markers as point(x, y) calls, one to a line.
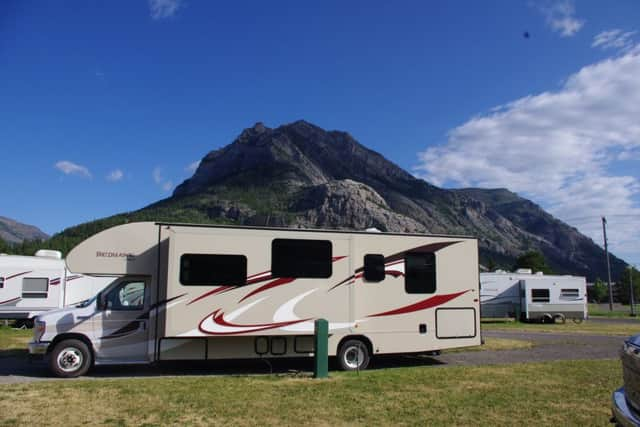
point(353, 356)
point(70, 358)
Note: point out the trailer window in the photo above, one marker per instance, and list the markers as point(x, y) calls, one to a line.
point(213, 270)
point(35, 287)
point(301, 258)
point(420, 273)
point(373, 268)
point(539, 295)
point(570, 294)
point(1, 282)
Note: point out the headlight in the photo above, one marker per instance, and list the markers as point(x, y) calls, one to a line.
point(38, 330)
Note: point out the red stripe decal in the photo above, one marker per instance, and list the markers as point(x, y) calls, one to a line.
point(10, 300)
point(218, 318)
point(421, 305)
point(70, 278)
point(213, 292)
point(16, 275)
point(278, 282)
point(338, 258)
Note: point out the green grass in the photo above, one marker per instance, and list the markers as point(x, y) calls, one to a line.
point(14, 341)
point(556, 393)
point(596, 311)
point(585, 327)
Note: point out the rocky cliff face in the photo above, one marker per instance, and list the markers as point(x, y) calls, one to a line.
point(303, 176)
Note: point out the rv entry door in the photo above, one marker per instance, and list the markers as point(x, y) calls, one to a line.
point(122, 322)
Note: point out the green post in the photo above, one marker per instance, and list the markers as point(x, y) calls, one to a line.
point(321, 353)
point(517, 307)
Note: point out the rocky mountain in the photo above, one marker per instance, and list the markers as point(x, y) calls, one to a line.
point(299, 175)
point(13, 231)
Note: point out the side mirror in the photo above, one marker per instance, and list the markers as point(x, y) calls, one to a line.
point(102, 301)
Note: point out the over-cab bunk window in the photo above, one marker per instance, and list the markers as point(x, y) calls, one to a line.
point(35, 287)
point(213, 270)
point(539, 295)
point(301, 258)
point(420, 273)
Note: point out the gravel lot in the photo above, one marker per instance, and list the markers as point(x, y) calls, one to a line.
point(547, 347)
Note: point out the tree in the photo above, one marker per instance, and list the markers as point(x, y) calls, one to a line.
point(599, 292)
point(622, 286)
point(534, 260)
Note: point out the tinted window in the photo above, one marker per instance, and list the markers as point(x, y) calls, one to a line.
point(1, 282)
point(35, 287)
point(301, 258)
point(373, 268)
point(213, 270)
point(540, 295)
point(420, 273)
point(569, 294)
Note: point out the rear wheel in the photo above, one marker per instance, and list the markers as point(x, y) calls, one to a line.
point(70, 358)
point(353, 355)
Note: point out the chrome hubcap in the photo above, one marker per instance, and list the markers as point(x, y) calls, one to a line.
point(353, 357)
point(70, 359)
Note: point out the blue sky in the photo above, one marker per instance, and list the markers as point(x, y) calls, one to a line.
point(105, 105)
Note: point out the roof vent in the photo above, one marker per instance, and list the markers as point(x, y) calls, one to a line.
point(524, 271)
point(373, 230)
point(47, 253)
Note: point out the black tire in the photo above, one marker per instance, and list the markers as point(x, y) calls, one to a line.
point(353, 355)
point(70, 358)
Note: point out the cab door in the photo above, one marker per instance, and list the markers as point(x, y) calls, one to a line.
point(121, 326)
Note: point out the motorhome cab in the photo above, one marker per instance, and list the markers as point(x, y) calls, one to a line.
point(191, 292)
point(537, 297)
point(32, 285)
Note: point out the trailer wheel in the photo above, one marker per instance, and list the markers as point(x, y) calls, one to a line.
point(559, 318)
point(546, 318)
point(353, 356)
point(70, 358)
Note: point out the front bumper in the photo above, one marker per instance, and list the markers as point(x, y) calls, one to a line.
point(622, 412)
point(38, 348)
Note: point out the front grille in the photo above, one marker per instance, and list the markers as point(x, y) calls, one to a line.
point(630, 356)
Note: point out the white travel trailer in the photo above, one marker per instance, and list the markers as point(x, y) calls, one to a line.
point(193, 292)
point(31, 285)
point(536, 297)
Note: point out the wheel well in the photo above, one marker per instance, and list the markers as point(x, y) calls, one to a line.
point(362, 338)
point(71, 336)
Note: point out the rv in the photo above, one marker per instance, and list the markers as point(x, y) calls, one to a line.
point(533, 297)
point(32, 285)
point(193, 292)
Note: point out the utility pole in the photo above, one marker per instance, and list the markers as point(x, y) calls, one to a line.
point(606, 251)
point(631, 296)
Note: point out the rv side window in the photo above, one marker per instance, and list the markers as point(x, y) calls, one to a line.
point(420, 273)
point(213, 270)
point(373, 268)
point(1, 282)
point(127, 296)
point(539, 295)
point(301, 258)
point(569, 294)
point(33, 287)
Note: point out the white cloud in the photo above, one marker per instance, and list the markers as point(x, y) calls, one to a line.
point(615, 39)
point(162, 9)
point(157, 175)
point(562, 149)
point(167, 186)
point(70, 168)
point(192, 167)
point(560, 16)
point(115, 175)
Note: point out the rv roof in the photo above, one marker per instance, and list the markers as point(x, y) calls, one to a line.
point(313, 230)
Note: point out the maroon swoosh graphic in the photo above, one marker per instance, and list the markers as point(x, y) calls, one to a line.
point(213, 292)
point(55, 281)
point(421, 305)
point(16, 275)
point(70, 278)
point(10, 300)
point(218, 318)
point(278, 282)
